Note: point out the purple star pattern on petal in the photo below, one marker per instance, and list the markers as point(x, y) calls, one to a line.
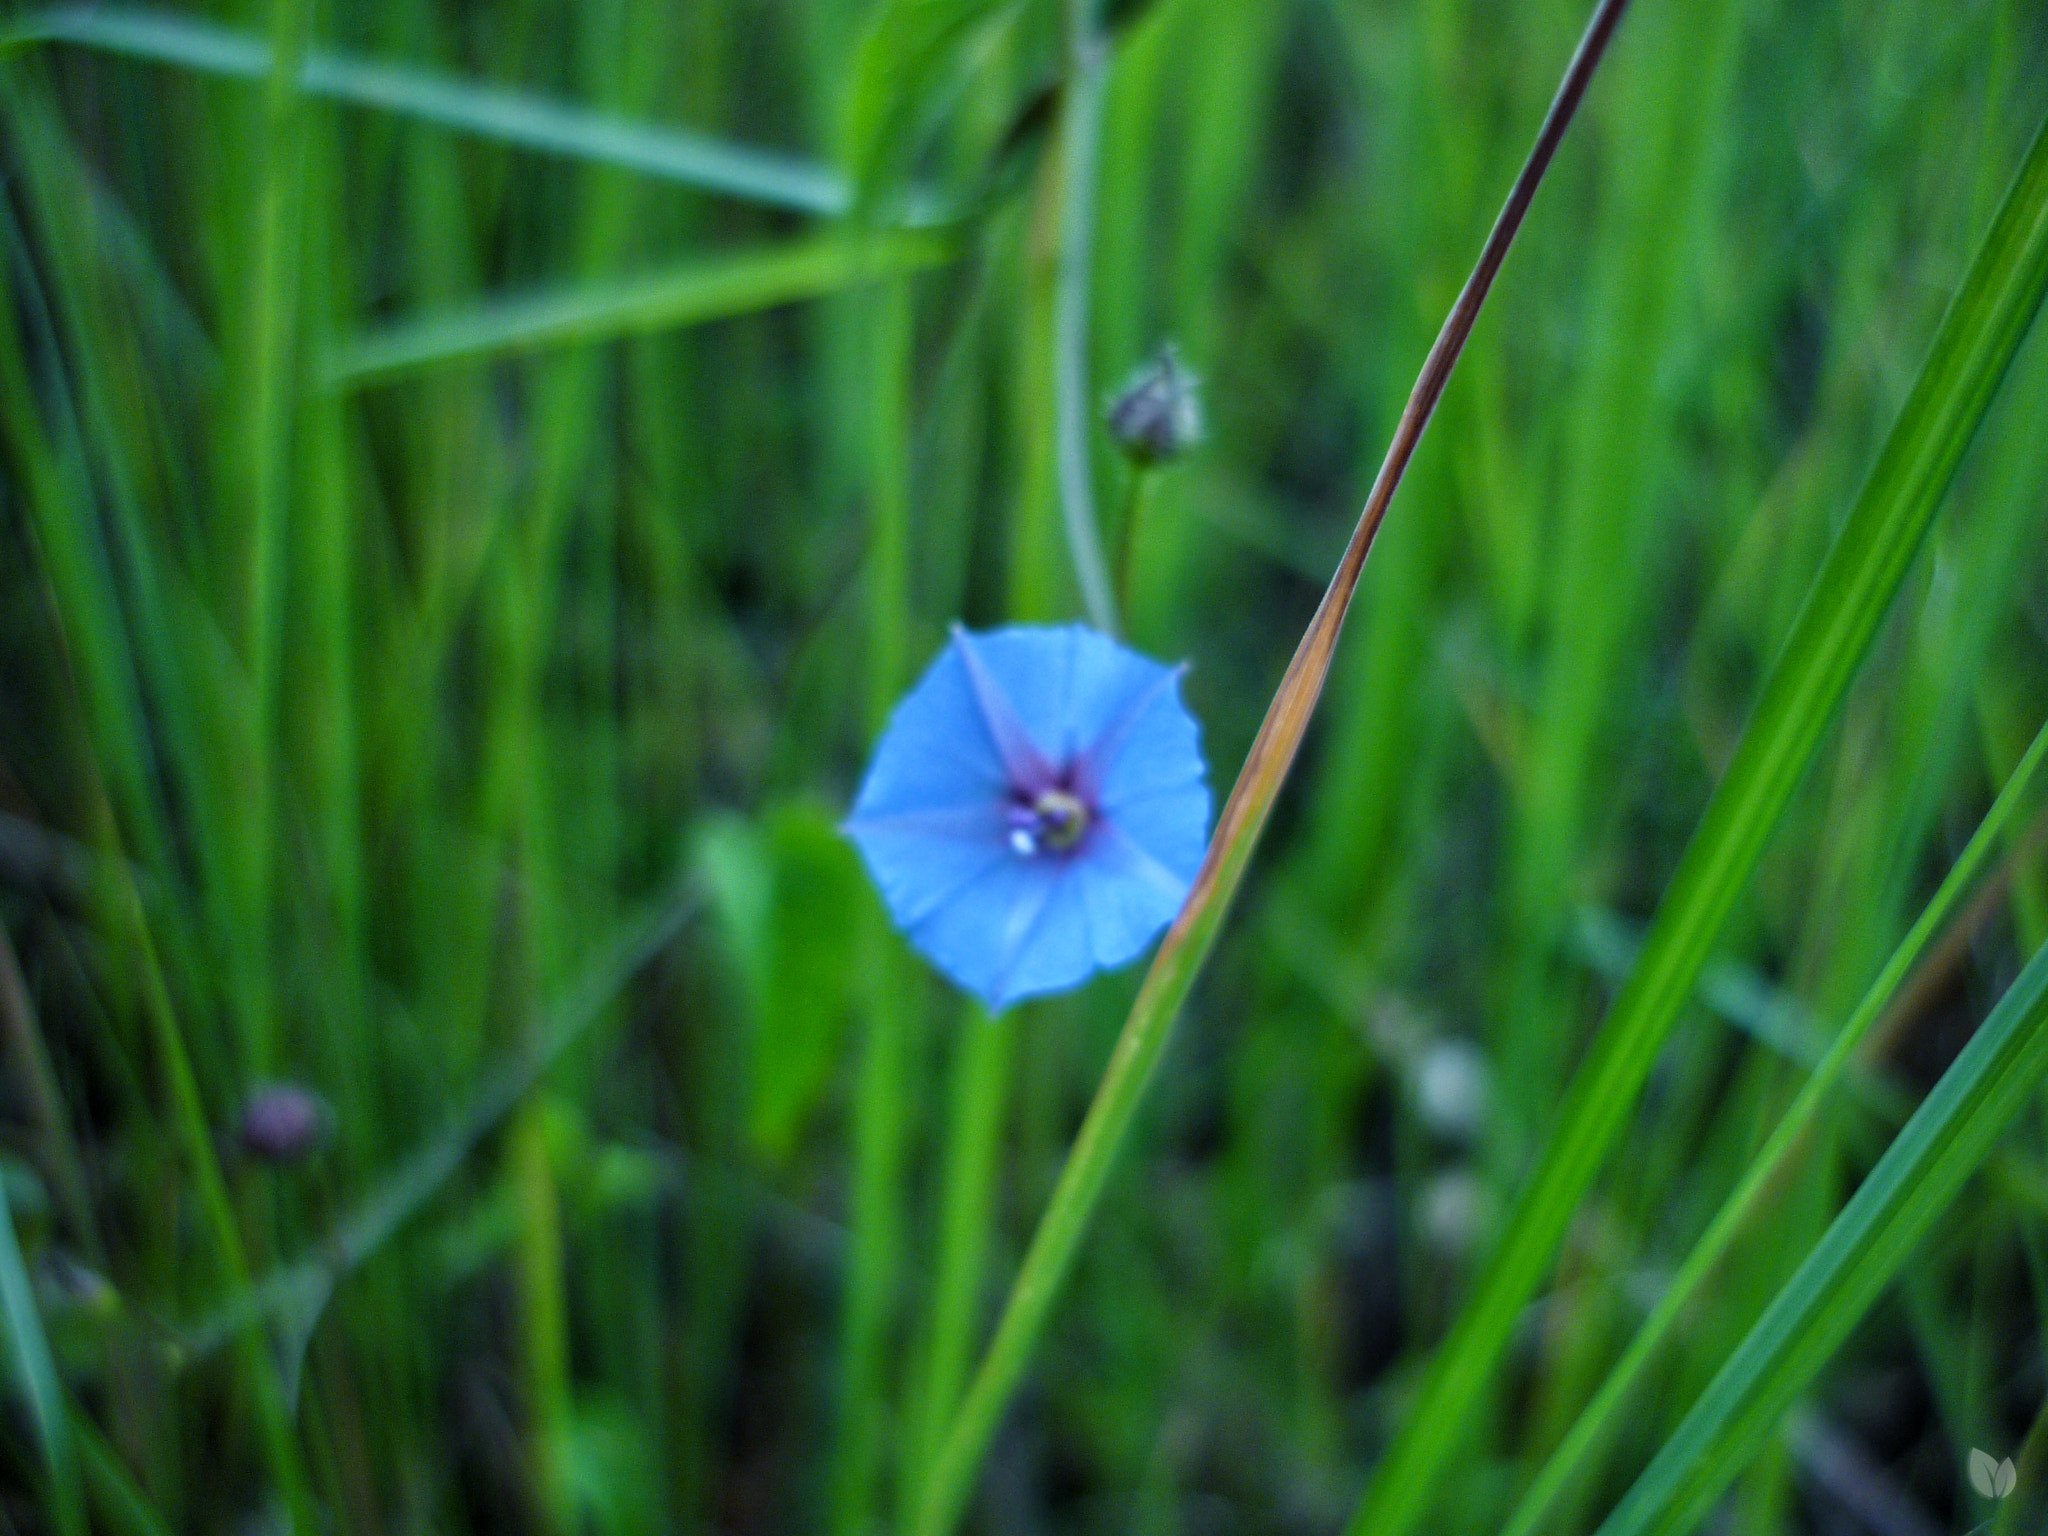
point(1036, 809)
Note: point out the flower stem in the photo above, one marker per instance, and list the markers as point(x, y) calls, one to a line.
point(881, 1107)
point(981, 1083)
point(1088, 69)
point(1137, 497)
point(1187, 943)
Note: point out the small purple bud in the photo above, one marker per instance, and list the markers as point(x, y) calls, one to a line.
point(1158, 414)
point(282, 1122)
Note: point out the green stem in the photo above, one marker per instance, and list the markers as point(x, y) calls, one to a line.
point(1187, 943)
point(881, 1103)
point(188, 1114)
point(270, 387)
point(1088, 70)
point(1589, 1432)
point(981, 1081)
point(1137, 498)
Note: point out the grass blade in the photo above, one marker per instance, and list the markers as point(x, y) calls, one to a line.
point(509, 117)
point(299, 1290)
point(1194, 931)
point(30, 1347)
point(1922, 1171)
point(691, 294)
point(1980, 334)
point(1601, 1414)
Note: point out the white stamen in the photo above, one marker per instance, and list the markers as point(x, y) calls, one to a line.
point(1022, 842)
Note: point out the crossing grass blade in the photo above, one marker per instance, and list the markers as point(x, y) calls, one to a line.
point(1193, 933)
point(700, 291)
point(1922, 1171)
point(505, 116)
point(1983, 329)
point(1603, 1412)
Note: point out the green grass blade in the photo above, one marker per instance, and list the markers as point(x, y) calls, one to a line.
point(904, 52)
point(509, 117)
point(691, 294)
point(1922, 1171)
point(967, 1205)
point(1602, 1414)
point(1978, 338)
point(298, 1290)
point(37, 1372)
point(122, 1506)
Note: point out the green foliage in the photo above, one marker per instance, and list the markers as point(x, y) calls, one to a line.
point(791, 894)
point(473, 480)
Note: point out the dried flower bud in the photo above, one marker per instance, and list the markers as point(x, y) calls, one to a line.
point(283, 1122)
point(1158, 414)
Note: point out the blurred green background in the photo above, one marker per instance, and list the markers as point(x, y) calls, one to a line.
point(473, 477)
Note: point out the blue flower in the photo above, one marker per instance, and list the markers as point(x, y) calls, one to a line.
point(1036, 808)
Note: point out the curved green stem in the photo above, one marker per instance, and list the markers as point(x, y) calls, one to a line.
point(1137, 497)
point(1082, 122)
point(881, 1102)
point(981, 1082)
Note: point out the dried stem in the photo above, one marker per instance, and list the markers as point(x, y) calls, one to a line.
point(1188, 942)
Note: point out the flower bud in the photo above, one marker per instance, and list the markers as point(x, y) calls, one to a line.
point(1158, 414)
point(282, 1122)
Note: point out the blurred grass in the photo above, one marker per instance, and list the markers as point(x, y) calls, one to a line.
point(652, 476)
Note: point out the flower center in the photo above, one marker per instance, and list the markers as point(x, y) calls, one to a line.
point(1055, 820)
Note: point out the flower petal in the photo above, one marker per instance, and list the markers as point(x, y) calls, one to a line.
point(1128, 894)
point(1024, 766)
point(935, 753)
point(981, 933)
point(1171, 824)
point(1053, 953)
point(1156, 751)
point(922, 858)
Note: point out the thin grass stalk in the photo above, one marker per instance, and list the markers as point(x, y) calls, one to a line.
point(259, 1367)
point(966, 1218)
point(1589, 1432)
point(122, 1506)
point(1188, 941)
point(881, 1099)
point(1088, 71)
point(270, 385)
point(36, 1371)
